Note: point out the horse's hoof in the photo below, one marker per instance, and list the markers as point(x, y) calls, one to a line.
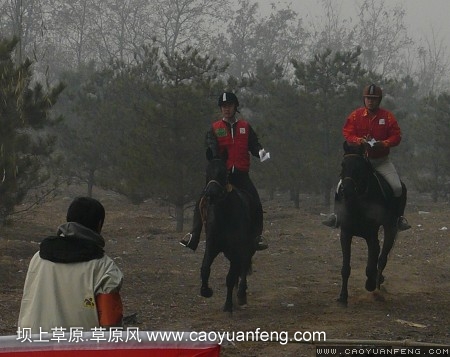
point(242, 300)
point(371, 284)
point(378, 296)
point(206, 292)
point(342, 301)
point(228, 308)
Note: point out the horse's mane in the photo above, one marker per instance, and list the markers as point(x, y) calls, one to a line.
point(356, 149)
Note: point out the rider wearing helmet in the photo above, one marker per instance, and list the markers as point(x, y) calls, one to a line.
point(235, 136)
point(377, 129)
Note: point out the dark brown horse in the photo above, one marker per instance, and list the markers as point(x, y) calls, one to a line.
point(364, 204)
point(229, 229)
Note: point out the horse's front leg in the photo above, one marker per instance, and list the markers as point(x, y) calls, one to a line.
point(242, 290)
point(346, 245)
point(373, 251)
point(246, 261)
point(232, 280)
point(205, 270)
point(390, 235)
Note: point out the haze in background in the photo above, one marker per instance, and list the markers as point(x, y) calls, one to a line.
point(425, 18)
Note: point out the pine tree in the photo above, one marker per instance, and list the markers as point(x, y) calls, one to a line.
point(25, 145)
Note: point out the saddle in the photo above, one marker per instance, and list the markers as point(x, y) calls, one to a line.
point(385, 188)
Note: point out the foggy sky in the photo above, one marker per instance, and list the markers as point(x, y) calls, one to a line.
point(423, 17)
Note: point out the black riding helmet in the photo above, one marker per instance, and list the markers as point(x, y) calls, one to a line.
point(228, 97)
point(373, 91)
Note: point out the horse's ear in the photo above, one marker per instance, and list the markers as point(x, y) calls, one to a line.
point(353, 148)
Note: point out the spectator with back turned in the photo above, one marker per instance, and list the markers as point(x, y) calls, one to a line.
point(71, 282)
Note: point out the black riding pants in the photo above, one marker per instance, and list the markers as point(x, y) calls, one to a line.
point(242, 181)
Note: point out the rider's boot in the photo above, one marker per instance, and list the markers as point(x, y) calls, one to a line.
point(402, 224)
point(260, 245)
point(400, 204)
point(192, 239)
point(331, 221)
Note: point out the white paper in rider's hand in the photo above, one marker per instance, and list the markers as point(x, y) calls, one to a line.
point(264, 157)
point(371, 142)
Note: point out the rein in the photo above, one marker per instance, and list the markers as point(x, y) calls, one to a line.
point(213, 181)
point(203, 204)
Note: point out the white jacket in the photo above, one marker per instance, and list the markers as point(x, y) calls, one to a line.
point(63, 294)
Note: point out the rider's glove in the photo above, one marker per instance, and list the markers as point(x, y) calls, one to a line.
point(262, 152)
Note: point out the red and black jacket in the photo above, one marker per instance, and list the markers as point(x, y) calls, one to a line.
point(238, 139)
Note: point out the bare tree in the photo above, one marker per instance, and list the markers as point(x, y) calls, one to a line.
point(121, 28)
point(433, 65)
point(280, 37)
point(275, 38)
point(72, 30)
point(332, 30)
point(185, 22)
point(382, 35)
point(237, 45)
point(25, 21)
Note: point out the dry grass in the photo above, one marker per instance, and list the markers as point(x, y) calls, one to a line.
point(293, 287)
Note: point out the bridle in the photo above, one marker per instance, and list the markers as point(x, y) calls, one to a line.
point(225, 189)
point(212, 182)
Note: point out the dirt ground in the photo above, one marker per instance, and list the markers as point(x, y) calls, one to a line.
point(293, 287)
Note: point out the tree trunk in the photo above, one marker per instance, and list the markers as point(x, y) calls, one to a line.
point(295, 197)
point(90, 183)
point(271, 193)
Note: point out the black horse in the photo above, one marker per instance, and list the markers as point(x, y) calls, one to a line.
point(228, 219)
point(364, 203)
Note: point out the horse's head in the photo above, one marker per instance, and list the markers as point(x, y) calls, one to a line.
point(217, 179)
point(355, 171)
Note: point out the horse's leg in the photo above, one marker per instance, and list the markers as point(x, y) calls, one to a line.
point(373, 250)
point(390, 234)
point(246, 261)
point(232, 279)
point(205, 270)
point(346, 246)
point(242, 289)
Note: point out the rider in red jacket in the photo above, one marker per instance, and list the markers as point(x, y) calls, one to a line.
point(235, 136)
point(378, 130)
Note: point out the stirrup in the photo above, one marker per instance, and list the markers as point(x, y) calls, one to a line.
point(402, 224)
point(186, 240)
